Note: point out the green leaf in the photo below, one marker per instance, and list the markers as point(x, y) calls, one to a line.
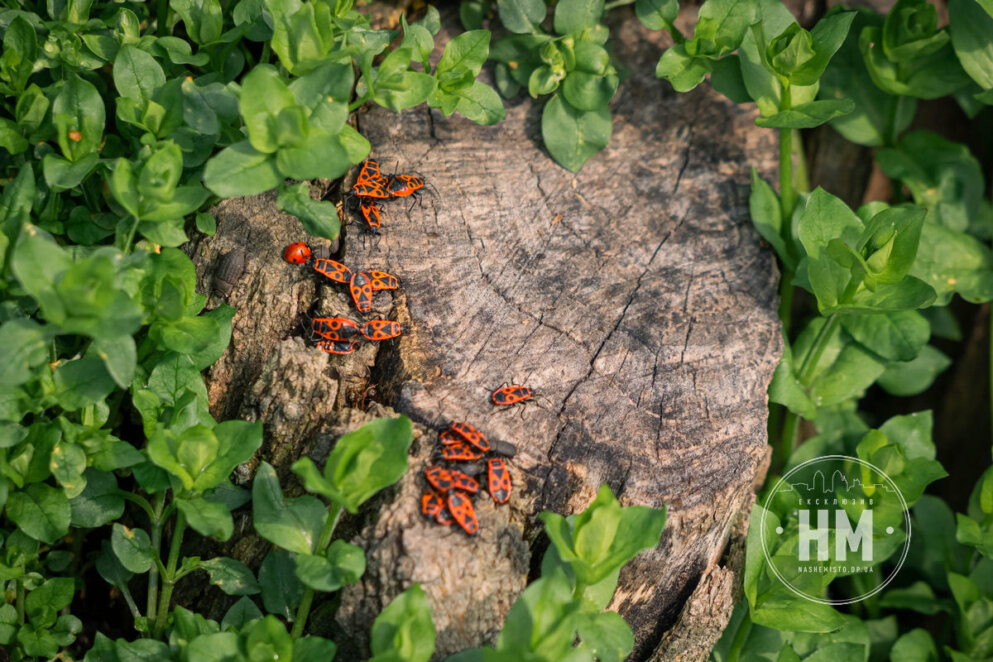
point(403, 90)
point(825, 217)
point(62, 175)
point(878, 117)
point(607, 635)
point(657, 14)
point(934, 75)
point(137, 75)
point(766, 212)
point(808, 115)
point(914, 646)
point(110, 568)
point(573, 136)
point(480, 103)
point(267, 639)
point(362, 463)
point(43, 603)
point(897, 336)
point(20, 46)
point(684, 71)
point(915, 376)
point(294, 525)
point(231, 576)
point(319, 218)
point(133, 548)
point(241, 170)
point(721, 26)
point(212, 350)
point(207, 518)
point(264, 96)
point(970, 28)
point(26, 346)
point(889, 242)
point(99, 503)
point(81, 382)
point(954, 262)
point(342, 564)
point(542, 620)
point(404, 630)
point(852, 372)
point(67, 464)
point(119, 357)
point(942, 176)
point(241, 612)
point(521, 16)
point(828, 36)
point(36, 640)
point(575, 16)
point(78, 107)
point(588, 92)
point(471, 14)
point(202, 18)
point(786, 389)
point(281, 590)
point(313, 649)
point(605, 536)
point(468, 50)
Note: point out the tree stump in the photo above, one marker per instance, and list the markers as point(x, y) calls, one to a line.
point(633, 297)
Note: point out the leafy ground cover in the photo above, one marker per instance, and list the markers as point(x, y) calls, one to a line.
point(122, 122)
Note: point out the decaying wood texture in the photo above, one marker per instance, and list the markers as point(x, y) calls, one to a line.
point(633, 297)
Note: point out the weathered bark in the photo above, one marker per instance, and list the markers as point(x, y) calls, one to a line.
point(635, 299)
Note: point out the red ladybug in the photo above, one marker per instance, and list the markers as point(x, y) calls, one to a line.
point(297, 253)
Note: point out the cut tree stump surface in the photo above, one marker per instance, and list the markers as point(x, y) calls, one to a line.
point(633, 297)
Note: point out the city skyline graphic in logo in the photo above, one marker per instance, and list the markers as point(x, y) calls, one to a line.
point(831, 517)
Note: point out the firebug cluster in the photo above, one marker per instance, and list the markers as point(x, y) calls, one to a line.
point(448, 496)
point(371, 186)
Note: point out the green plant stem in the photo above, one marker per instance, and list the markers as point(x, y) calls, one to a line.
point(153, 573)
point(990, 332)
point(169, 579)
point(787, 195)
point(811, 358)
point(20, 602)
point(355, 105)
point(734, 653)
point(264, 57)
point(802, 180)
point(131, 233)
point(162, 16)
point(303, 611)
point(617, 3)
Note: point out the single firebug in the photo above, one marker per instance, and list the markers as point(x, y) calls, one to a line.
point(382, 281)
point(370, 212)
point(369, 174)
point(472, 435)
point(336, 346)
point(334, 328)
point(498, 478)
point(461, 509)
point(361, 289)
point(510, 395)
point(336, 271)
point(431, 503)
point(460, 451)
point(401, 186)
point(381, 329)
point(449, 438)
